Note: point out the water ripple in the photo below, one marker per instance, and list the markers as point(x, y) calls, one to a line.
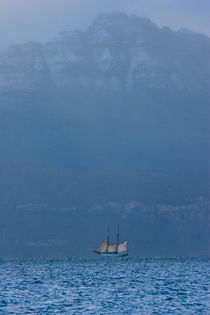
point(104, 286)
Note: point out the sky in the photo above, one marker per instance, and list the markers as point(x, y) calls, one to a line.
point(41, 20)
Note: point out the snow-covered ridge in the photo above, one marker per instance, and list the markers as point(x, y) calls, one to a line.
point(117, 51)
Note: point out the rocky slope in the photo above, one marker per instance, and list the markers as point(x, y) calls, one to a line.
point(117, 52)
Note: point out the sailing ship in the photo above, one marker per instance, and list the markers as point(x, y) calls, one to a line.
point(112, 250)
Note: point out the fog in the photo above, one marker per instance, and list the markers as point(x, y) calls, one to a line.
point(104, 125)
point(40, 20)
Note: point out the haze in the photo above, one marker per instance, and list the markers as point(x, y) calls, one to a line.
point(103, 126)
point(40, 20)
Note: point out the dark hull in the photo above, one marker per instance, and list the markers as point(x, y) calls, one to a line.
point(112, 254)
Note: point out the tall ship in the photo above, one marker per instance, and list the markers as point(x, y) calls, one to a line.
point(113, 250)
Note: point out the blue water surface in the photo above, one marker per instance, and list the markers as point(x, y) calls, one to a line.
point(105, 286)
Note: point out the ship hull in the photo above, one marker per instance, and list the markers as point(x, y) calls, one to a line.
point(113, 255)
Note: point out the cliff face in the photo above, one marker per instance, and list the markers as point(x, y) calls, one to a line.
point(117, 52)
point(124, 93)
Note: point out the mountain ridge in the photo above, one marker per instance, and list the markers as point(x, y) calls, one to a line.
point(117, 51)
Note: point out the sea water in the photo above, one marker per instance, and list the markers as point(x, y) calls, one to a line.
point(105, 286)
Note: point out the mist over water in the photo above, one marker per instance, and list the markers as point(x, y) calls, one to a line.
point(104, 126)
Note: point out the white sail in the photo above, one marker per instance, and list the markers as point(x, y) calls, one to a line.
point(112, 248)
point(103, 247)
point(122, 247)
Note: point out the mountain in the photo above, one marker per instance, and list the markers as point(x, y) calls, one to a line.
point(116, 52)
point(150, 85)
point(106, 125)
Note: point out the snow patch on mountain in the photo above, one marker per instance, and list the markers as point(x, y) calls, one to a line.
point(117, 51)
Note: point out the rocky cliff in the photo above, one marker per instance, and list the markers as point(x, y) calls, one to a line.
point(116, 52)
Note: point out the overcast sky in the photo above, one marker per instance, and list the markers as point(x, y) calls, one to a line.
point(40, 20)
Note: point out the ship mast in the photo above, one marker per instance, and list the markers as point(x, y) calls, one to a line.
point(107, 246)
point(118, 236)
